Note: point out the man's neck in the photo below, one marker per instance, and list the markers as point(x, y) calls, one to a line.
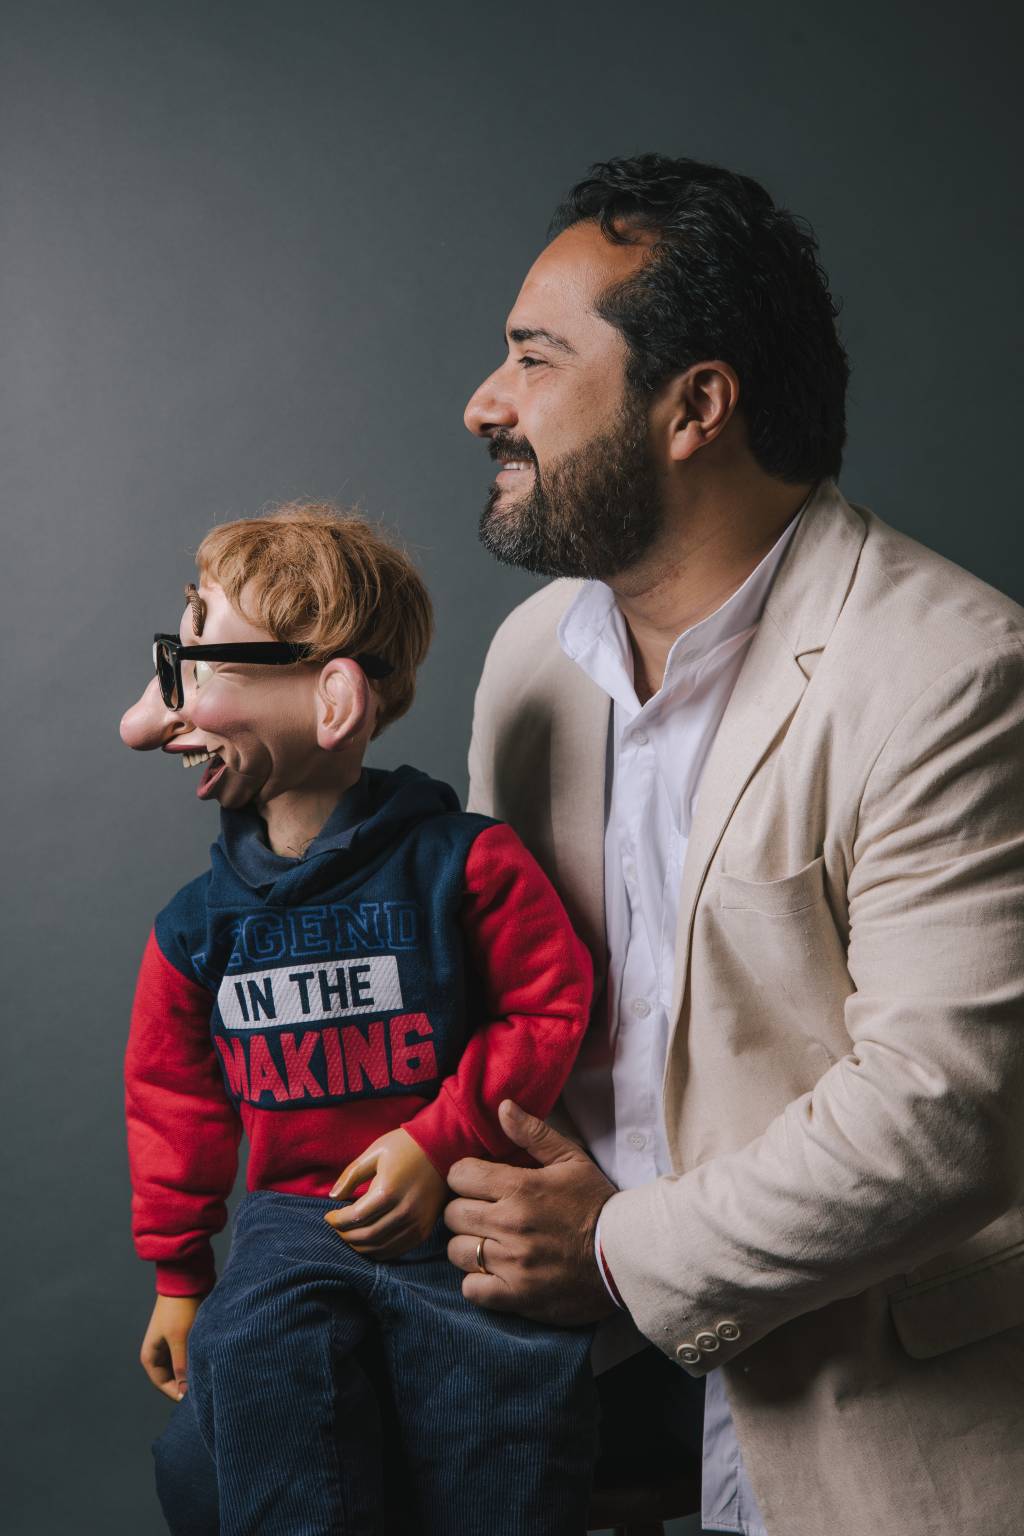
point(706, 555)
point(293, 819)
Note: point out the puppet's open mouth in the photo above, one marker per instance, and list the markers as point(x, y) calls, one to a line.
point(214, 768)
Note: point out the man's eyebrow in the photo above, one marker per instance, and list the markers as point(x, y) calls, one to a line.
point(523, 333)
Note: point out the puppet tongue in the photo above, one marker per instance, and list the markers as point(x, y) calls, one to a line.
point(211, 773)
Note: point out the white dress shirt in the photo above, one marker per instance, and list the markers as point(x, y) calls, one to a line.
point(656, 754)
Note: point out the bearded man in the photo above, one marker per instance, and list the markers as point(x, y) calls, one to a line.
point(770, 752)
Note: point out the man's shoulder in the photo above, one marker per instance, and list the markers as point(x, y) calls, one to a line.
point(916, 583)
point(913, 612)
point(535, 621)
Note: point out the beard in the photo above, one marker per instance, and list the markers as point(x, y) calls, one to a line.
point(592, 514)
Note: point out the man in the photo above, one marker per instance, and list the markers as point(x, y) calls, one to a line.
point(770, 752)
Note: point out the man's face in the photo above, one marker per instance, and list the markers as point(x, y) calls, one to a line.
point(577, 490)
point(255, 727)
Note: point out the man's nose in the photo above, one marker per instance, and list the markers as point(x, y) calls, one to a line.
point(149, 723)
point(490, 408)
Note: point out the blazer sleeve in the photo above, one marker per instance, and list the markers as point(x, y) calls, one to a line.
point(914, 1140)
point(535, 980)
point(183, 1132)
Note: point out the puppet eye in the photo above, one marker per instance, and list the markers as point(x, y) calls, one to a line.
point(203, 671)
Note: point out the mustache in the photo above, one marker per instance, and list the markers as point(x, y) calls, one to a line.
point(504, 446)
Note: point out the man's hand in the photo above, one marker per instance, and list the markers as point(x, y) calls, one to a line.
point(164, 1353)
point(538, 1224)
point(401, 1205)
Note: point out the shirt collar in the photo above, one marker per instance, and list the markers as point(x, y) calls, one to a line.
point(592, 632)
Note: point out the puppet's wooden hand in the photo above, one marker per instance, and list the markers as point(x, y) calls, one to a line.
point(402, 1204)
point(164, 1353)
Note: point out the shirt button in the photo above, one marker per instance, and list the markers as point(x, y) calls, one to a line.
point(641, 1007)
point(689, 1354)
point(728, 1332)
point(636, 1139)
point(641, 738)
point(707, 1342)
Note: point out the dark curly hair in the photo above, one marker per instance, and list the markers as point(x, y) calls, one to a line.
point(730, 276)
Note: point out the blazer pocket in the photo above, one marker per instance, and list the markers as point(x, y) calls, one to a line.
point(774, 898)
point(967, 1302)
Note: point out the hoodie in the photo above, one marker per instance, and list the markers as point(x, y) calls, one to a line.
point(412, 969)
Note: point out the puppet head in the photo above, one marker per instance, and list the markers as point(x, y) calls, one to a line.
point(300, 644)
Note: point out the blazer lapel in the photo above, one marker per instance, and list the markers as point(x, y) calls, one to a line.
point(800, 614)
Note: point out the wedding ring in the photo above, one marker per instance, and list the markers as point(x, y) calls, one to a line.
point(481, 1266)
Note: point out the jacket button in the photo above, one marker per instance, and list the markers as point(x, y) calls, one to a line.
point(727, 1332)
point(707, 1343)
point(689, 1354)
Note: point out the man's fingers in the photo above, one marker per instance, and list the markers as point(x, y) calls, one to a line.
point(473, 1177)
point(462, 1252)
point(534, 1136)
point(480, 1218)
point(356, 1173)
point(489, 1291)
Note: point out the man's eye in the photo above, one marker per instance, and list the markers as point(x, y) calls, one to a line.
point(530, 362)
point(203, 670)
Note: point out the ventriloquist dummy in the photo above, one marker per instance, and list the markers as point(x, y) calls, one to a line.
point(360, 978)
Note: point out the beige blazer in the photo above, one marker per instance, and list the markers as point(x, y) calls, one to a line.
point(844, 1091)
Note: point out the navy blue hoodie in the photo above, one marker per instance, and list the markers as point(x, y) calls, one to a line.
point(412, 969)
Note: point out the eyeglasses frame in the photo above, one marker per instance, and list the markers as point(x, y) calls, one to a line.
point(258, 653)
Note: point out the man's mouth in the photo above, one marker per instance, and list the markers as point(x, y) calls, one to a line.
point(511, 470)
point(512, 456)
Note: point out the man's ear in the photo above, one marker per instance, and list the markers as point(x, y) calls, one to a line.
point(344, 703)
point(695, 407)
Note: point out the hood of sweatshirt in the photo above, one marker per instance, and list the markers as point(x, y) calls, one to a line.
point(381, 808)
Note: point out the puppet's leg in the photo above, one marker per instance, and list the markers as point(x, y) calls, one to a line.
point(272, 1377)
point(498, 1414)
point(186, 1482)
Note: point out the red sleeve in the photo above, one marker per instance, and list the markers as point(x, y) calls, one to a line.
point(537, 981)
point(183, 1131)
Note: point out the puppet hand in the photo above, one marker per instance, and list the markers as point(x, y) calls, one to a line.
point(403, 1201)
point(536, 1226)
point(164, 1353)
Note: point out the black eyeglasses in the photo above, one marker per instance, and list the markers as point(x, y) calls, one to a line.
point(168, 651)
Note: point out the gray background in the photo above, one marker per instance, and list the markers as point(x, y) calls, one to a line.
point(254, 251)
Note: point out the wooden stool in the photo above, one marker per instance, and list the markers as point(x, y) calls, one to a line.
point(642, 1510)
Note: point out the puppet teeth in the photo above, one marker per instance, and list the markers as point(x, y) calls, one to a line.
point(193, 759)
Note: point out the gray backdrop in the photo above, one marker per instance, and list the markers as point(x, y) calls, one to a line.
point(253, 251)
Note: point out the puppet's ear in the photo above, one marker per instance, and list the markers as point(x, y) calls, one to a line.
point(344, 703)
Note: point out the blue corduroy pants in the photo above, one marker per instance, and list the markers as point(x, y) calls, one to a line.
point(496, 1414)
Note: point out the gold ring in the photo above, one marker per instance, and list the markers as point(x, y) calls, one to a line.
point(481, 1266)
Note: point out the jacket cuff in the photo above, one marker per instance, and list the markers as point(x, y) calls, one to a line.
point(645, 1239)
point(187, 1277)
